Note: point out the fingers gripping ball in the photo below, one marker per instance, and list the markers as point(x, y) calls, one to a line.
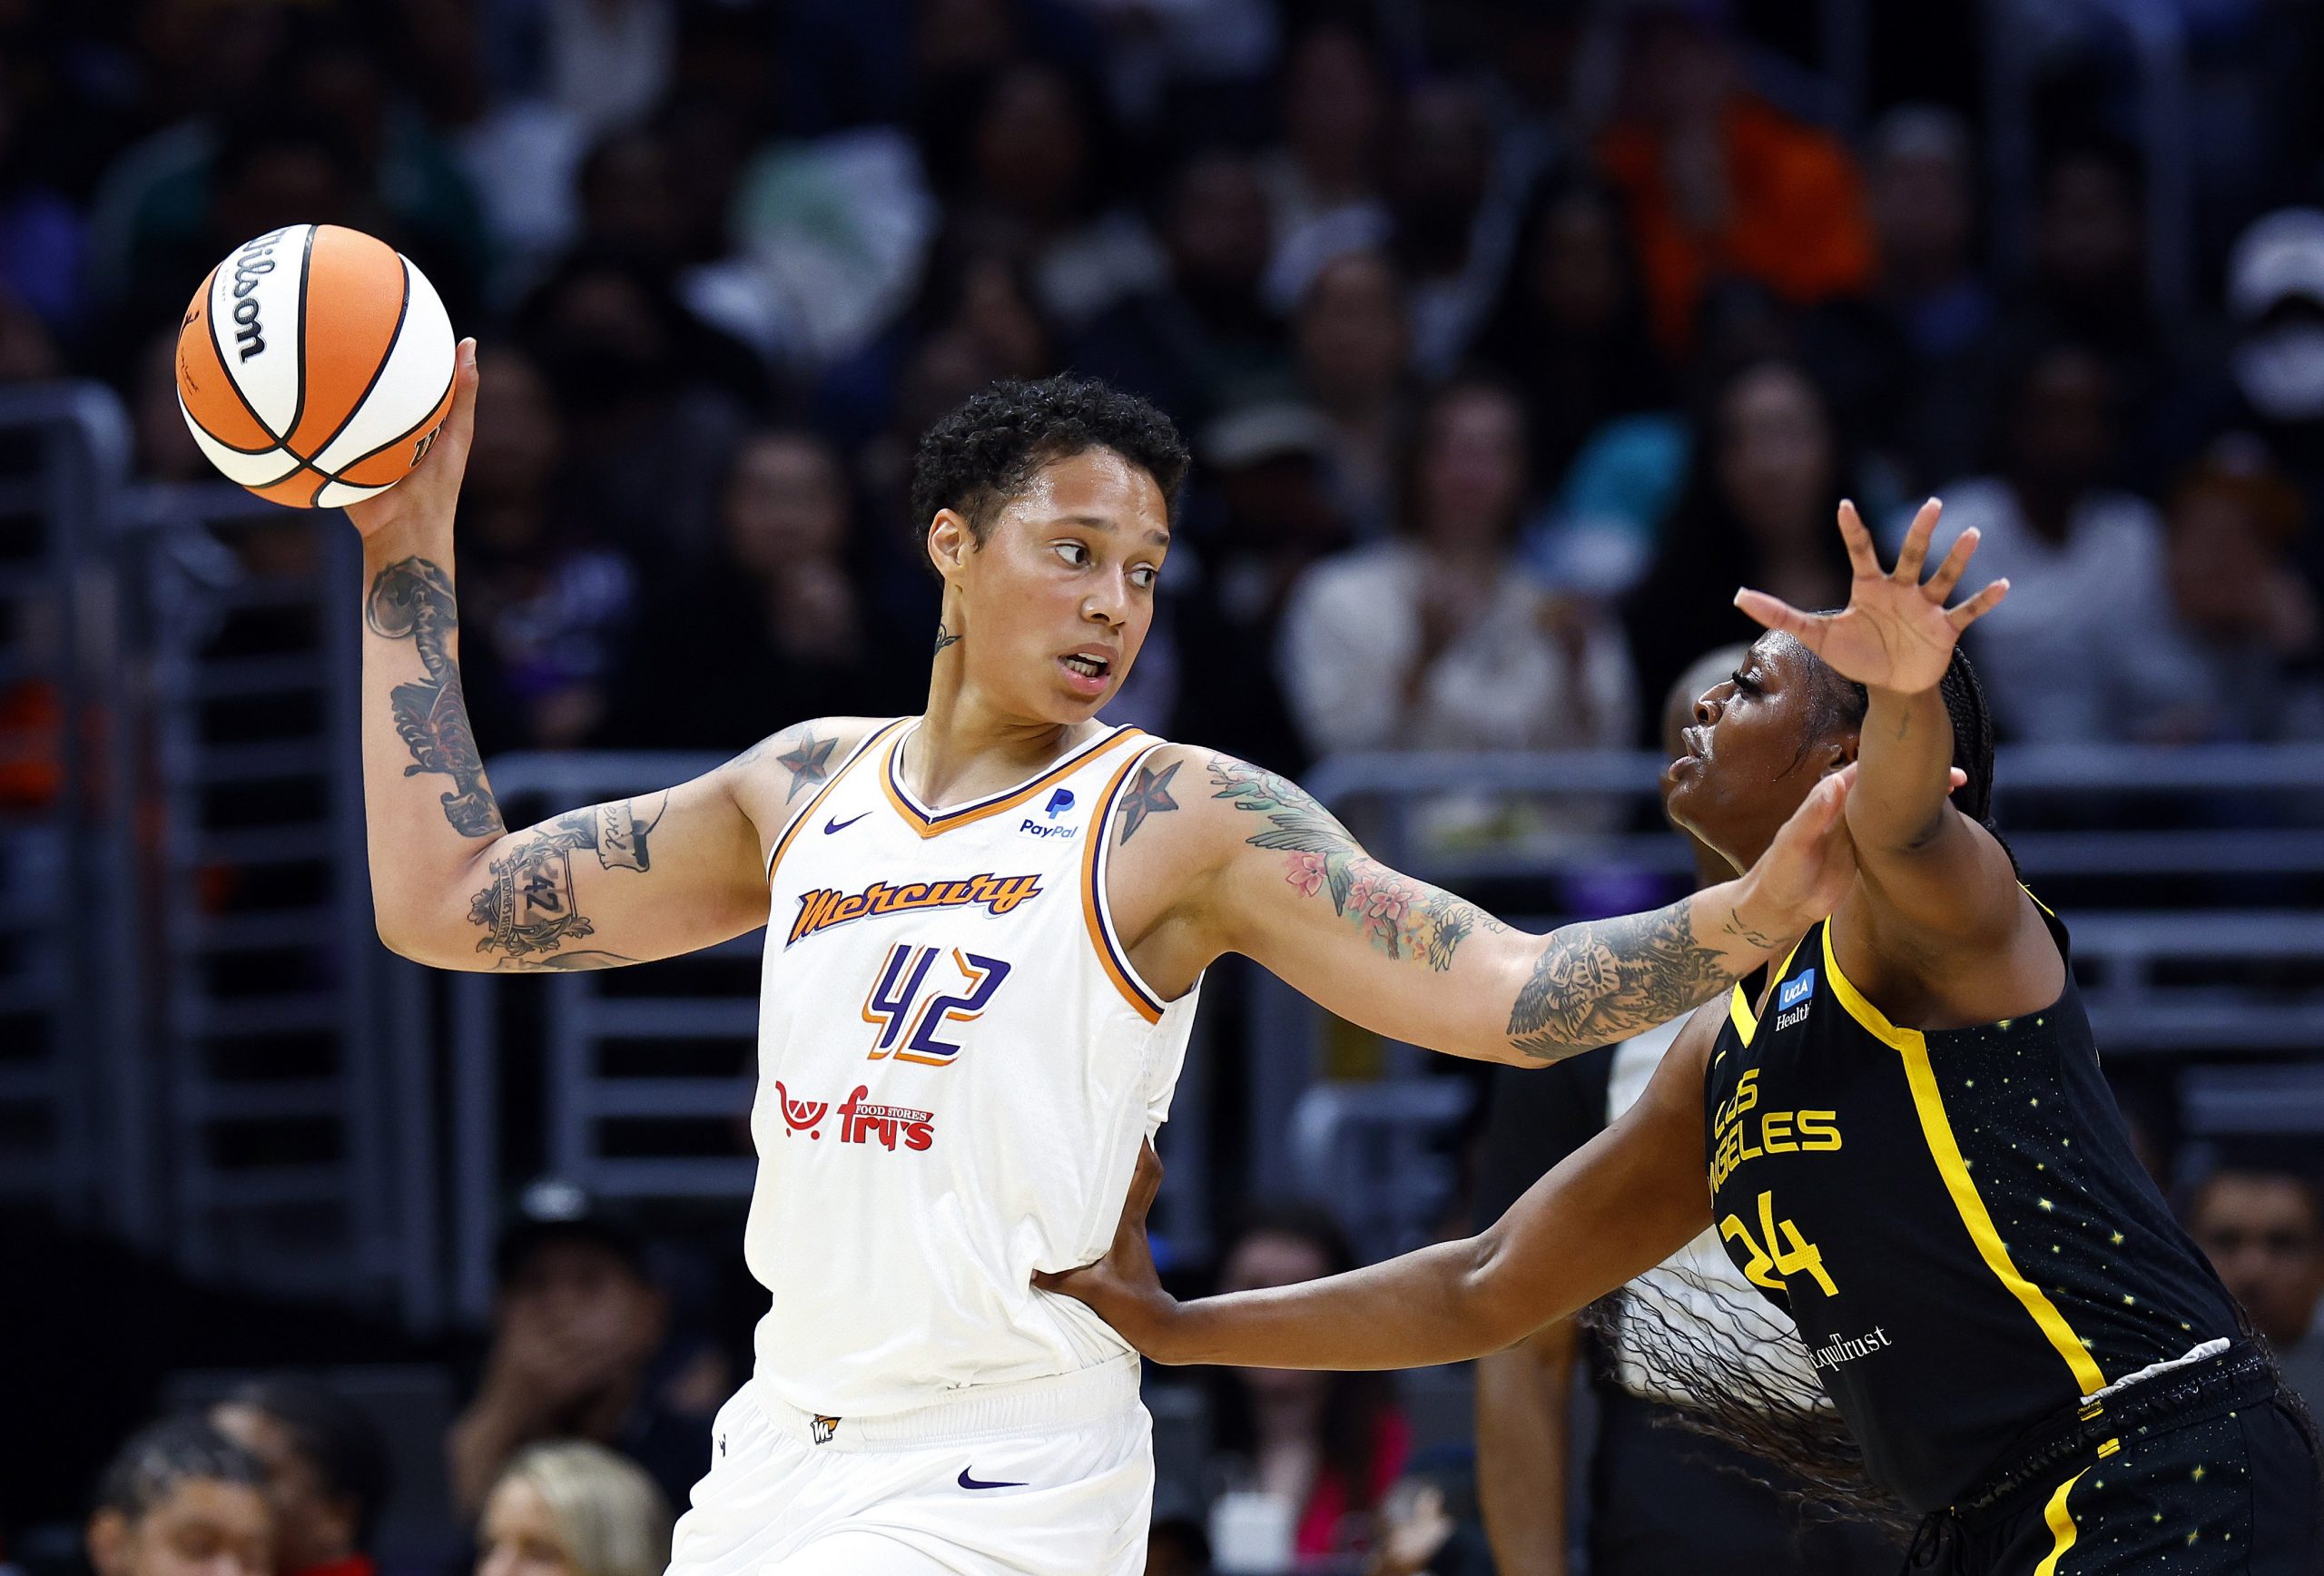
point(315, 366)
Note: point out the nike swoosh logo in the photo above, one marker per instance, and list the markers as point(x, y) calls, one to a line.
point(968, 1483)
point(832, 826)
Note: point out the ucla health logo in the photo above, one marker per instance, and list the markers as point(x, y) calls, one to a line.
point(1059, 802)
point(1792, 999)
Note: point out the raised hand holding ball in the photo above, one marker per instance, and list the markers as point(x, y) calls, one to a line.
point(315, 366)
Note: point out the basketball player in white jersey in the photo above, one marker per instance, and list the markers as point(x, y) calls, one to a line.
point(987, 926)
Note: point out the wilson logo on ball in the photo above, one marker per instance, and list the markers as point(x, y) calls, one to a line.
point(315, 365)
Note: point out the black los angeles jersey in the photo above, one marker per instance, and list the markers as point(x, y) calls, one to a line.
point(1954, 1219)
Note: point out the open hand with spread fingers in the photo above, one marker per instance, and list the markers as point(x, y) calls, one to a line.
point(1896, 633)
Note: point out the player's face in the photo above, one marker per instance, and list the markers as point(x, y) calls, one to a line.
point(1058, 601)
point(204, 1527)
point(520, 1534)
point(1749, 761)
point(310, 1526)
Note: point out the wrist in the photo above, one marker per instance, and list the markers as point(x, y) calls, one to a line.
point(1164, 1334)
point(1756, 917)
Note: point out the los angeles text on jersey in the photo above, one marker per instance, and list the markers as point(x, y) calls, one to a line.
point(824, 907)
point(1741, 1138)
point(860, 1121)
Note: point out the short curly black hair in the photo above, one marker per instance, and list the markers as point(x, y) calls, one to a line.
point(982, 455)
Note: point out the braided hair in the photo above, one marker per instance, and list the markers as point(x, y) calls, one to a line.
point(1842, 703)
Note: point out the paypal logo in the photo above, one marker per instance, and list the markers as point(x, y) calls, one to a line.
point(1794, 991)
point(1059, 802)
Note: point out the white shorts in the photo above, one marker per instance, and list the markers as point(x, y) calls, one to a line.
point(1047, 1477)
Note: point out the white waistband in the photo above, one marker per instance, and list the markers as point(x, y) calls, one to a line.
point(1021, 1406)
point(2195, 1354)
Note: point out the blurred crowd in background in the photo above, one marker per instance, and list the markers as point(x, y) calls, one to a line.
point(1510, 336)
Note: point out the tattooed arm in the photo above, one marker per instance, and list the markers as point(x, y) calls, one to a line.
point(1284, 883)
point(613, 883)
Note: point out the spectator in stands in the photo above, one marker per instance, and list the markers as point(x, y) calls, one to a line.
point(2086, 641)
point(1335, 108)
point(2248, 618)
point(577, 1329)
point(1328, 1444)
point(1438, 639)
point(1768, 468)
point(1569, 328)
point(2090, 283)
point(44, 237)
point(1452, 217)
point(1355, 360)
point(1204, 340)
point(2275, 293)
point(545, 598)
point(1720, 183)
point(654, 398)
point(574, 1509)
point(2262, 1222)
point(1932, 311)
point(1260, 517)
point(326, 1469)
point(180, 1499)
point(1032, 180)
point(772, 628)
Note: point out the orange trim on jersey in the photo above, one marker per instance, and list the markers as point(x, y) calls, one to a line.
point(1115, 968)
point(929, 825)
point(805, 816)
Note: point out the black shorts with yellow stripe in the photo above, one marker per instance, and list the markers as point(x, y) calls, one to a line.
point(2231, 1490)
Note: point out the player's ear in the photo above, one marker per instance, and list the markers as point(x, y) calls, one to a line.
point(949, 542)
point(1840, 752)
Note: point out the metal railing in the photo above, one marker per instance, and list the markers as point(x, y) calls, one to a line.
point(73, 1094)
point(298, 1127)
point(196, 1048)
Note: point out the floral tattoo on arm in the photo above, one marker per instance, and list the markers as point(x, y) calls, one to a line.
point(1398, 916)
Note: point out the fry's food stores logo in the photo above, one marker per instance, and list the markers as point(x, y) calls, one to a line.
point(860, 1121)
point(822, 908)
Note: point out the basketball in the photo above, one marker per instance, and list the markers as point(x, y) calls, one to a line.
point(314, 365)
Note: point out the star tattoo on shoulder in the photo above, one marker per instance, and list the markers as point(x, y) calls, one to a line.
point(809, 763)
point(1150, 794)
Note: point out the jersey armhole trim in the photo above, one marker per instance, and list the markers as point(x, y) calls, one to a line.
point(774, 854)
point(1936, 1131)
point(1098, 914)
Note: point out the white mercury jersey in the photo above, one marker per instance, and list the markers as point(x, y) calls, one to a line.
point(957, 1064)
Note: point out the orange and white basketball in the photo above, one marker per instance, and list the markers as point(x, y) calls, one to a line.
point(315, 365)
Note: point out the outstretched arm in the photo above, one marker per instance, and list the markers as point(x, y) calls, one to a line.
point(1284, 883)
point(1613, 1209)
point(614, 883)
point(1934, 886)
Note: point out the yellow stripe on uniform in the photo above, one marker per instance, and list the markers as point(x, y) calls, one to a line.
point(1738, 1006)
point(2062, 1527)
point(1937, 1131)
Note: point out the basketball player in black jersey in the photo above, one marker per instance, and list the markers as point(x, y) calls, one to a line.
point(1908, 1144)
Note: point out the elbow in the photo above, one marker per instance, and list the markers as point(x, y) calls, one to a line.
point(399, 936)
point(1497, 1312)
